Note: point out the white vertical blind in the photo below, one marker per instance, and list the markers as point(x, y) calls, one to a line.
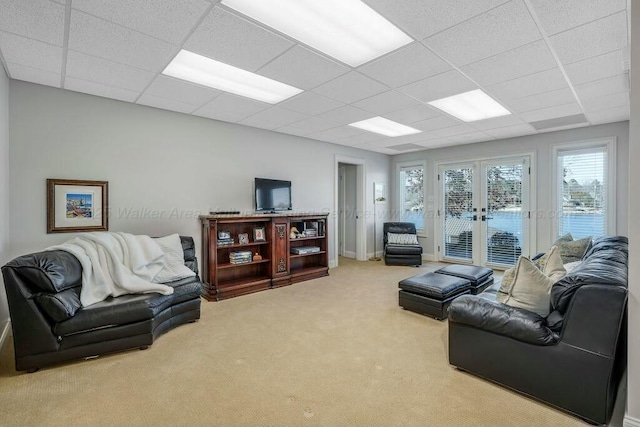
point(582, 192)
point(458, 218)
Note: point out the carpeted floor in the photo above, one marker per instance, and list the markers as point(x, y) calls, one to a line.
point(333, 351)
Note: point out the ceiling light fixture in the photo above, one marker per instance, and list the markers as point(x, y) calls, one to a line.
point(347, 30)
point(384, 127)
point(208, 72)
point(471, 106)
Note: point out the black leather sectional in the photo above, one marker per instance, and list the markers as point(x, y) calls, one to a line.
point(572, 359)
point(50, 326)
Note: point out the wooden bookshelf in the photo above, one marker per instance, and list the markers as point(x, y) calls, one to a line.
point(278, 266)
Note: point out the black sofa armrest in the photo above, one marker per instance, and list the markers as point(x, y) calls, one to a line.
point(501, 319)
point(594, 318)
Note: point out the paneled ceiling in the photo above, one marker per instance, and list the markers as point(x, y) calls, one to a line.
point(554, 64)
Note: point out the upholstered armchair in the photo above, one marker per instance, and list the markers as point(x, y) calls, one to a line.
point(401, 245)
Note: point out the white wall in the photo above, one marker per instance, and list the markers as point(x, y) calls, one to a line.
point(4, 196)
point(541, 145)
point(163, 168)
point(632, 417)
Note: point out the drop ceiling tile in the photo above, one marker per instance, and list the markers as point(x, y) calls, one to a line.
point(521, 61)
point(436, 123)
point(413, 114)
point(596, 68)
point(182, 91)
point(302, 68)
point(98, 70)
point(272, 118)
point(33, 75)
point(545, 81)
point(346, 115)
point(37, 19)
point(293, 131)
point(439, 86)
point(230, 108)
point(228, 38)
point(498, 30)
point(407, 65)
point(609, 115)
point(315, 124)
point(386, 102)
point(118, 44)
point(31, 53)
point(540, 101)
point(310, 103)
point(551, 113)
point(468, 138)
point(511, 131)
point(593, 39)
point(454, 130)
point(406, 139)
point(607, 101)
point(350, 87)
point(611, 85)
point(98, 89)
point(557, 16)
point(497, 122)
point(421, 18)
point(437, 143)
point(336, 134)
point(363, 138)
point(165, 103)
point(167, 20)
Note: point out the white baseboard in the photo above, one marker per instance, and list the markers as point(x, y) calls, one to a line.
point(429, 257)
point(5, 330)
point(630, 421)
point(349, 254)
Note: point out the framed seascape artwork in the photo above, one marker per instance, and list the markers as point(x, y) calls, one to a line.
point(74, 205)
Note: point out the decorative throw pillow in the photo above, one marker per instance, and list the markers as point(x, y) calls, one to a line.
point(531, 289)
point(566, 238)
point(571, 266)
point(574, 250)
point(174, 268)
point(402, 239)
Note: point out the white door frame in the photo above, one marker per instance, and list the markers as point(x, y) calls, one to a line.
point(361, 235)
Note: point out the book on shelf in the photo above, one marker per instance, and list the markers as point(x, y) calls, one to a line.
point(225, 242)
point(302, 250)
point(240, 257)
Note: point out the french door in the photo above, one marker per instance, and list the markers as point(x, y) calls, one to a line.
point(484, 211)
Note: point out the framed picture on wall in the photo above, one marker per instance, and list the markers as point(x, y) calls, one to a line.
point(74, 206)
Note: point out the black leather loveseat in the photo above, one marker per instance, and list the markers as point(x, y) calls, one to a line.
point(49, 325)
point(572, 359)
point(404, 254)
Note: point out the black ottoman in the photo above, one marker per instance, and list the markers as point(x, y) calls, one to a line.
point(431, 293)
point(480, 277)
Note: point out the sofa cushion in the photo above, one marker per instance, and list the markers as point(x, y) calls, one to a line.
point(49, 271)
point(531, 288)
point(60, 306)
point(403, 250)
point(574, 250)
point(550, 264)
point(174, 268)
point(402, 239)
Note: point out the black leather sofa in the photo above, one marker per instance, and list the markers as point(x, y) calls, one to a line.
point(50, 326)
point(400, 254)
point(574, 358)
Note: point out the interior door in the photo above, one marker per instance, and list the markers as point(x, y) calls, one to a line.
point(484, 211)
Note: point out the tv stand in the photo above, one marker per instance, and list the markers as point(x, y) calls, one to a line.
point(275, 265)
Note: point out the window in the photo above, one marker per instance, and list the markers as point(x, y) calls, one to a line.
point(411, 200)
point(585, 189)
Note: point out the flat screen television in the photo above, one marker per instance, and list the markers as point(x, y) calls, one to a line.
point(272, 195)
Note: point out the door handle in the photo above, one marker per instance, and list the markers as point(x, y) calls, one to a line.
point(484, 217)
point(475, 217)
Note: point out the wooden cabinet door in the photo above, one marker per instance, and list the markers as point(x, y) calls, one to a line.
point(280, 261)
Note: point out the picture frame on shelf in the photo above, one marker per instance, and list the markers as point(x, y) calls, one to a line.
point(243, 238)
point(259, 234)
point(224, 234)
point(77, 205)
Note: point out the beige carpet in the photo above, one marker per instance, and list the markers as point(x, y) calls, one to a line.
point(333, 351)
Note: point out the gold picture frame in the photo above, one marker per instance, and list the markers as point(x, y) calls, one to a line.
point(77, 205)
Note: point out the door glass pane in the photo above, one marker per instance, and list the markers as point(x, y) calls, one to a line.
point(504, 214)
point(412, 196)
point(458, 216)
point(583, 193)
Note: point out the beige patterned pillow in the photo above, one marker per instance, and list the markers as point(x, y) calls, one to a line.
point(531, 288)
point(402, 239)
point(574, 250)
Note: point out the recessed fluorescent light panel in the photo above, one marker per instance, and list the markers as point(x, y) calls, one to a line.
point(208, 72)
point(347, 30)
point(471, 106)
point(384, 127)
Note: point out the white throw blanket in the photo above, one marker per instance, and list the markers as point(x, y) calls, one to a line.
point(115, 264)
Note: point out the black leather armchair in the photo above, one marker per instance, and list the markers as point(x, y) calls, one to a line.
point(50, 326)
point(574, 358)
point(400, 254)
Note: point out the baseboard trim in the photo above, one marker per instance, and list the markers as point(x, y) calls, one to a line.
point(628, 421)
point(6, 329)
point(429, 257)
point(349, 254)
